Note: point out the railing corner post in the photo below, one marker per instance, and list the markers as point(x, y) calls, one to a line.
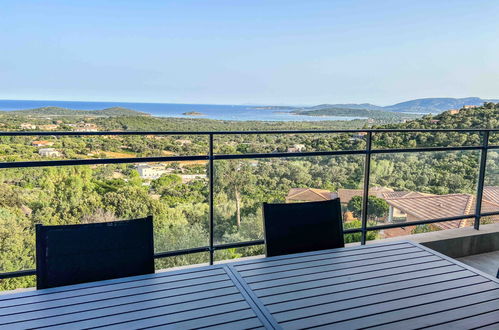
point(481, 179)
point(211, 197)
point(367, 170)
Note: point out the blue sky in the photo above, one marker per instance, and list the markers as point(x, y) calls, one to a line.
point(248, 51)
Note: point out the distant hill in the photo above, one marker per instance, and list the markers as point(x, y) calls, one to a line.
point(480, 117)
point(365, 106)
point(426, 105)
point(435, 105)
point(57, 111)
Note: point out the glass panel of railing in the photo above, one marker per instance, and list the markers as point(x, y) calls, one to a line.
point(494, 139)
point(410, 140)
point(408, 187)
point(53, 147)
point(490, 197)
point(242, 185)
point(227, 255)
point(177, 197)
point(288, 143)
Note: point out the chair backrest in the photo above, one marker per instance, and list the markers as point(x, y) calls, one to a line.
point(72, 254)
point(302, 227)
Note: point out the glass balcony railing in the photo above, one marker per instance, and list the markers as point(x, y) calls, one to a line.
point(205, 189)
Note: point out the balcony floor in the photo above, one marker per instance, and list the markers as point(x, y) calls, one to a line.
point(486, 262)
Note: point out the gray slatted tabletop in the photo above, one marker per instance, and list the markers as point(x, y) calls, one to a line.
point(398, 285)
point(207, 297)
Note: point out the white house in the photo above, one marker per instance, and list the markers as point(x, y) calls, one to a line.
point(28, 126)
point(48, 152)
point(297, 148)
point(150, 172)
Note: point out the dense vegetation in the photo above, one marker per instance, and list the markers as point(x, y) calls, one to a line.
point(436, 104)
point(57, 111)
point(178, 199)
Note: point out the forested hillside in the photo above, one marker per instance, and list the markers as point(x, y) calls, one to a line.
point(56, 111)
point(486, 116)
point(177, 195)
point(425, 105)
point(436, 104)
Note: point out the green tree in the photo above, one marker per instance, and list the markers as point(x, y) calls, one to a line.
point(377, 207)
point(165, 181)
point(235, 177)
point(16, 248)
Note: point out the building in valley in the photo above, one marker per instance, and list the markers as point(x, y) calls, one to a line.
point(150, 171)
point(309, 195)
point(27, 126)
point(42, 143)
point(49, 152)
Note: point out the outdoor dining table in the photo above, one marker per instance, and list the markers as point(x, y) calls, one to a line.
point(397, 285)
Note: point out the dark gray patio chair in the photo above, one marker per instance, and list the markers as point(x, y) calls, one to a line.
point(72, 254)
point(302, 227)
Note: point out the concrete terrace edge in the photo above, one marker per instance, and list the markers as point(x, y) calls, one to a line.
point(455, 243)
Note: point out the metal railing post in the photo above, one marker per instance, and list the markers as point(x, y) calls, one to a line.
point(481, 179)
point(365, 195)
point(211, 170)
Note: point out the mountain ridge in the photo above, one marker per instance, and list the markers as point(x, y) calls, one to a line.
point(422, 105)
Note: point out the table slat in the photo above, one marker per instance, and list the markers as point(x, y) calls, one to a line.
point(470, 315)
point(65, 292)
point(347, 275)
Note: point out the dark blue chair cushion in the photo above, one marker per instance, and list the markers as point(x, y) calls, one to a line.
point(74, 254)
point(302, 227)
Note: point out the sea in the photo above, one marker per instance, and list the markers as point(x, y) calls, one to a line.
point(177, 110)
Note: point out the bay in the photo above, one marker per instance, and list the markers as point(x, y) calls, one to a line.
point(177, 110)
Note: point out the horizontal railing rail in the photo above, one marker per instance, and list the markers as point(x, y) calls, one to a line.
point(211, 157)
point(360, 130)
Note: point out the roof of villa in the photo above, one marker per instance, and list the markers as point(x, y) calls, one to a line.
point(491, 194)
point(310, 194)
point(443, 206)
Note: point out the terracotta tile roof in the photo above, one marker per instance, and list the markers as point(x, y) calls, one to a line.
point(443, 206)
point(346, 195)
point(309, 195)
point(395, 232)
point(433, 207)
point(488, 206)
point(453, 224)
point(491, 194)
point(403, 194)
point(42, 143)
